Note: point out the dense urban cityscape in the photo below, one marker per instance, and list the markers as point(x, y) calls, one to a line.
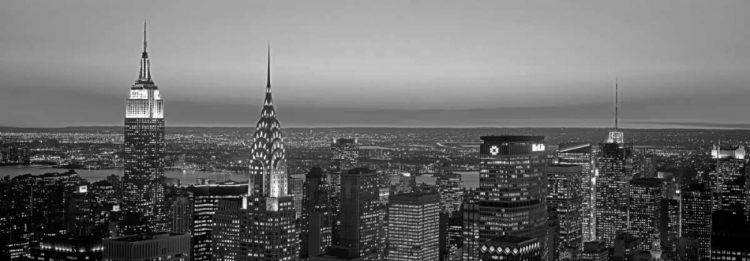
point(148, 191)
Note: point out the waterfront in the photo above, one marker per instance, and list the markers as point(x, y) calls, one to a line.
point(470, 178)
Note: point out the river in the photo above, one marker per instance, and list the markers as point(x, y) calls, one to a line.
point(470, 178)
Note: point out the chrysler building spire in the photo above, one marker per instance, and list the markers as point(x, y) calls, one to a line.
point(268, 164)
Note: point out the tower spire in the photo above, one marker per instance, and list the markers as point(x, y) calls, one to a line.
point(145, 43)
point(268, 71)
point(617, 105)
point(144, 75)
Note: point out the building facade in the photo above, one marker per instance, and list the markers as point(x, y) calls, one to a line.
point(159, 246)
point(582, 154)
point(615, 169)
point(317, 218)
point(413, 226)
point(144, 149)
point(644, 210)
point(513, 188)
point(565, 196)
point(695, 217)
point(360, 213)
point(205, 204)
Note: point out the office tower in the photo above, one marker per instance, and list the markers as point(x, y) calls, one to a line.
point(406, 183)
point(670, 225)
point(296, 186)
point(511, 248)
point(726, 180)
point(626, 247)
point(345, 153)
point(68, 248)
point(512, 179)
point(695, 217)
point(205, 204)
point(158, 246)
point(611, 188)
point(144, 152)
point(595, 251)
point(615, 168)
point(255, 228)
point(265, 217)
point(79, 216)
point(360, 213)
point(564, 197)
point(179, 214)
point(730, 236)
point(413, 226)
point(644, 210)
point(317, 218)
point(582, 154)
point(451, 190)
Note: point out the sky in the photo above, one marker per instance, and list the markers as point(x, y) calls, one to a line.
point(380, 63)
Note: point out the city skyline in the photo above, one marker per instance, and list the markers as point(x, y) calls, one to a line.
point(410, 65)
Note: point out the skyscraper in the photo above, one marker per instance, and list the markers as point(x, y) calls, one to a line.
point(564, 197)
point(582, 154)
point(345, 152)
point(264, 220)
point(413, 226)
point(727, 181)
point(360, 213)
point(205, 204)
point(513, 187)
point(144, 150)
point(317, 218)
point(696, 217)
point(645, 210)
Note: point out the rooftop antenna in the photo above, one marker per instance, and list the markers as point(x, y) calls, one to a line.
point(616, 103)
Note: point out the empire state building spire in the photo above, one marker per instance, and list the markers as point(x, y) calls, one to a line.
point(144, 75)
point(268, 164)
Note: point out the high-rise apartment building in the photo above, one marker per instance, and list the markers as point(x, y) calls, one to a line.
point(413, 226)
point(564, 197)
point(144, 149)
point(513, 188)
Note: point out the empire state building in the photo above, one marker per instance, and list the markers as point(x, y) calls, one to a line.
point(144, 152)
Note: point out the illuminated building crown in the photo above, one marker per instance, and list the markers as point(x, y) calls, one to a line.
point(268, 164)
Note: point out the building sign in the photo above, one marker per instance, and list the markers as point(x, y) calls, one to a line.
point(82, 189)
point(537, 147)
point(494, 150)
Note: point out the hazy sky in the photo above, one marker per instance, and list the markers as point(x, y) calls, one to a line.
point(393, 63)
